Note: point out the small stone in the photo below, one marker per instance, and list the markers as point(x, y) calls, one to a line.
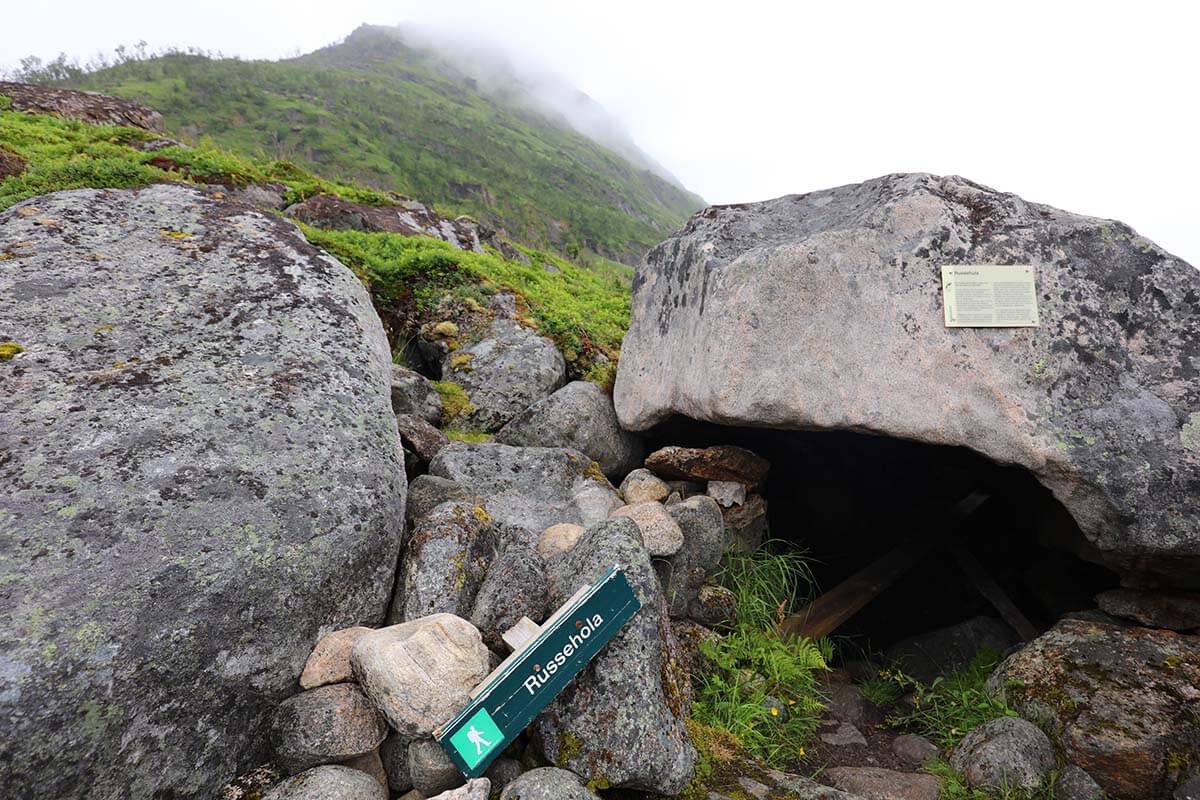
point(323, 725)
point(719, 463)
point(714, 605)
point(328, 783)
point(330, 659)
point(1009, 753)
point(394, 755)
point(845, 734)
point(559, 538)
point(420, 437)
point(371, 764)
point(547, 783)
point(846, 703)
point(419, 673)
point(477, 789)
point(661, 535)
point(642, 485)
point(874, 783)
point(684, 573)
point(746, 525)
point(431, 769)
point(727, 493)
point(413, 393)
point(1075, 784)
point(914, 750)
point(503, 771)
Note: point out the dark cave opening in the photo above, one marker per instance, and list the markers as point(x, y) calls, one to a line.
point(848, 498)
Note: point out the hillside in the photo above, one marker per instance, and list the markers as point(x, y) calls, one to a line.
point(380, 112)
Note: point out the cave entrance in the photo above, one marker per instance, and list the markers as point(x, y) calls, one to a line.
point(849, 499)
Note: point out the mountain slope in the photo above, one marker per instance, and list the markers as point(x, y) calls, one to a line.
point(378, 111)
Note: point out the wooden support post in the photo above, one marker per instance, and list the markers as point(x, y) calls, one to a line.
point(823, 616)
point(992, 592)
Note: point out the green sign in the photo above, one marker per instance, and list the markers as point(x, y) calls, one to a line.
point(530, 678)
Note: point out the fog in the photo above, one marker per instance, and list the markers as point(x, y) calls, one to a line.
point(1086, 106)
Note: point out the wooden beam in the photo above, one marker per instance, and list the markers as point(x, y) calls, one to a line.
point(825, 614)
point(992, 592)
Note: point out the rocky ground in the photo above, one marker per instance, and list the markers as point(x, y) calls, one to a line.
point(238, 538)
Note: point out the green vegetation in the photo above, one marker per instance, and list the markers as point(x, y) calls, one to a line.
point(467, 436)
point(455, 403)
point(377, 111)
point(8, 350)
point(763, 690)
point(585, 310)
point(952, 706)
point(954, 787)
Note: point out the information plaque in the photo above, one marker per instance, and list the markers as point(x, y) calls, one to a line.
point(989, 296)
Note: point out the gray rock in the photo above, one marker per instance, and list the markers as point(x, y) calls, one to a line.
point(371, 763)
point(642, 485)
point(1188, 790)
point(427, 492)
point(845, 703)
point(419, 673)
point(503, 771)
point(579, 416)
point(1178, 611)
point(89, 107)
point(623, 716)
point(189, 496)
point(740, 319)
point(1075, 784)
point(684, 572)
point(329, 661)
point(547, 783)
point(477, 789)
point(407, 217)
point(420, 437)
point(595, 501)
point(413, 393)
point(328, 783)
point(431, 769)
point(727, 493)
point(505, 373)
point(515, 587)
point(713, 605)
point(940, 652)
point(661, 534)
point(843, 735)
point(394, 754)
point(746, 525)
point(261, 195)
point(445, 561)
point(1115, 699)
point(530, 488)
point(914, 750)
point(324, 725)
point(1006, 753)
point(875, 783)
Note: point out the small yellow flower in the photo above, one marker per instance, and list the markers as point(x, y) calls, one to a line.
point(802, 752)
point(774, 711)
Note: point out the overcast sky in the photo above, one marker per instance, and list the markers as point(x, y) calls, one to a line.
point(1087, 106)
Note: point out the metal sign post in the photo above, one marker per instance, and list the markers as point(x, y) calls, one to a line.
point(518, 690)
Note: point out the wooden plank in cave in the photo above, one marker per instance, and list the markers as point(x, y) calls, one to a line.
point(825, 614)
point(992, 592)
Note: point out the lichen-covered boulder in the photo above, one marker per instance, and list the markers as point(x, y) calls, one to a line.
point(530, 488)
point(621, 722)
point(514, 587)
point(1005, 753)
point(328, 783)
point(413, 393)
point(580, 416)
point(1119, 702)
point(824, 311)
point(505, 373)
point(324, 725)
point(201, 475)
point(91, 107)
point(547, 783)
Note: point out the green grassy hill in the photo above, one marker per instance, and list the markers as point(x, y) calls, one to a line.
point(379, 112)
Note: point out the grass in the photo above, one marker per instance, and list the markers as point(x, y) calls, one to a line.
point(585, 310)
point(467, 436)
point(763, 691)
point(954, 787)
point(377, 112)
point(953, 705)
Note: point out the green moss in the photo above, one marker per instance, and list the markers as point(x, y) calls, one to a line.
point(446, 329)
point(467, 436)
point(461, 362)
point(456, 405)
point(595, 473)
point(10, 349)
point(482, 515)
point(570, 747)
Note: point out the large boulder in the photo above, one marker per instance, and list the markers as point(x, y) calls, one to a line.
point(404, 216)
point(580, 416)
point(505, 373)
point(1005, 753)
point(328, 783)
point(444, 562)
point(530, 488)
point(824, 311)
point(1119, 702)
point(201, 476)
point(97, 109)
point(547, 783)
point(621, 722)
